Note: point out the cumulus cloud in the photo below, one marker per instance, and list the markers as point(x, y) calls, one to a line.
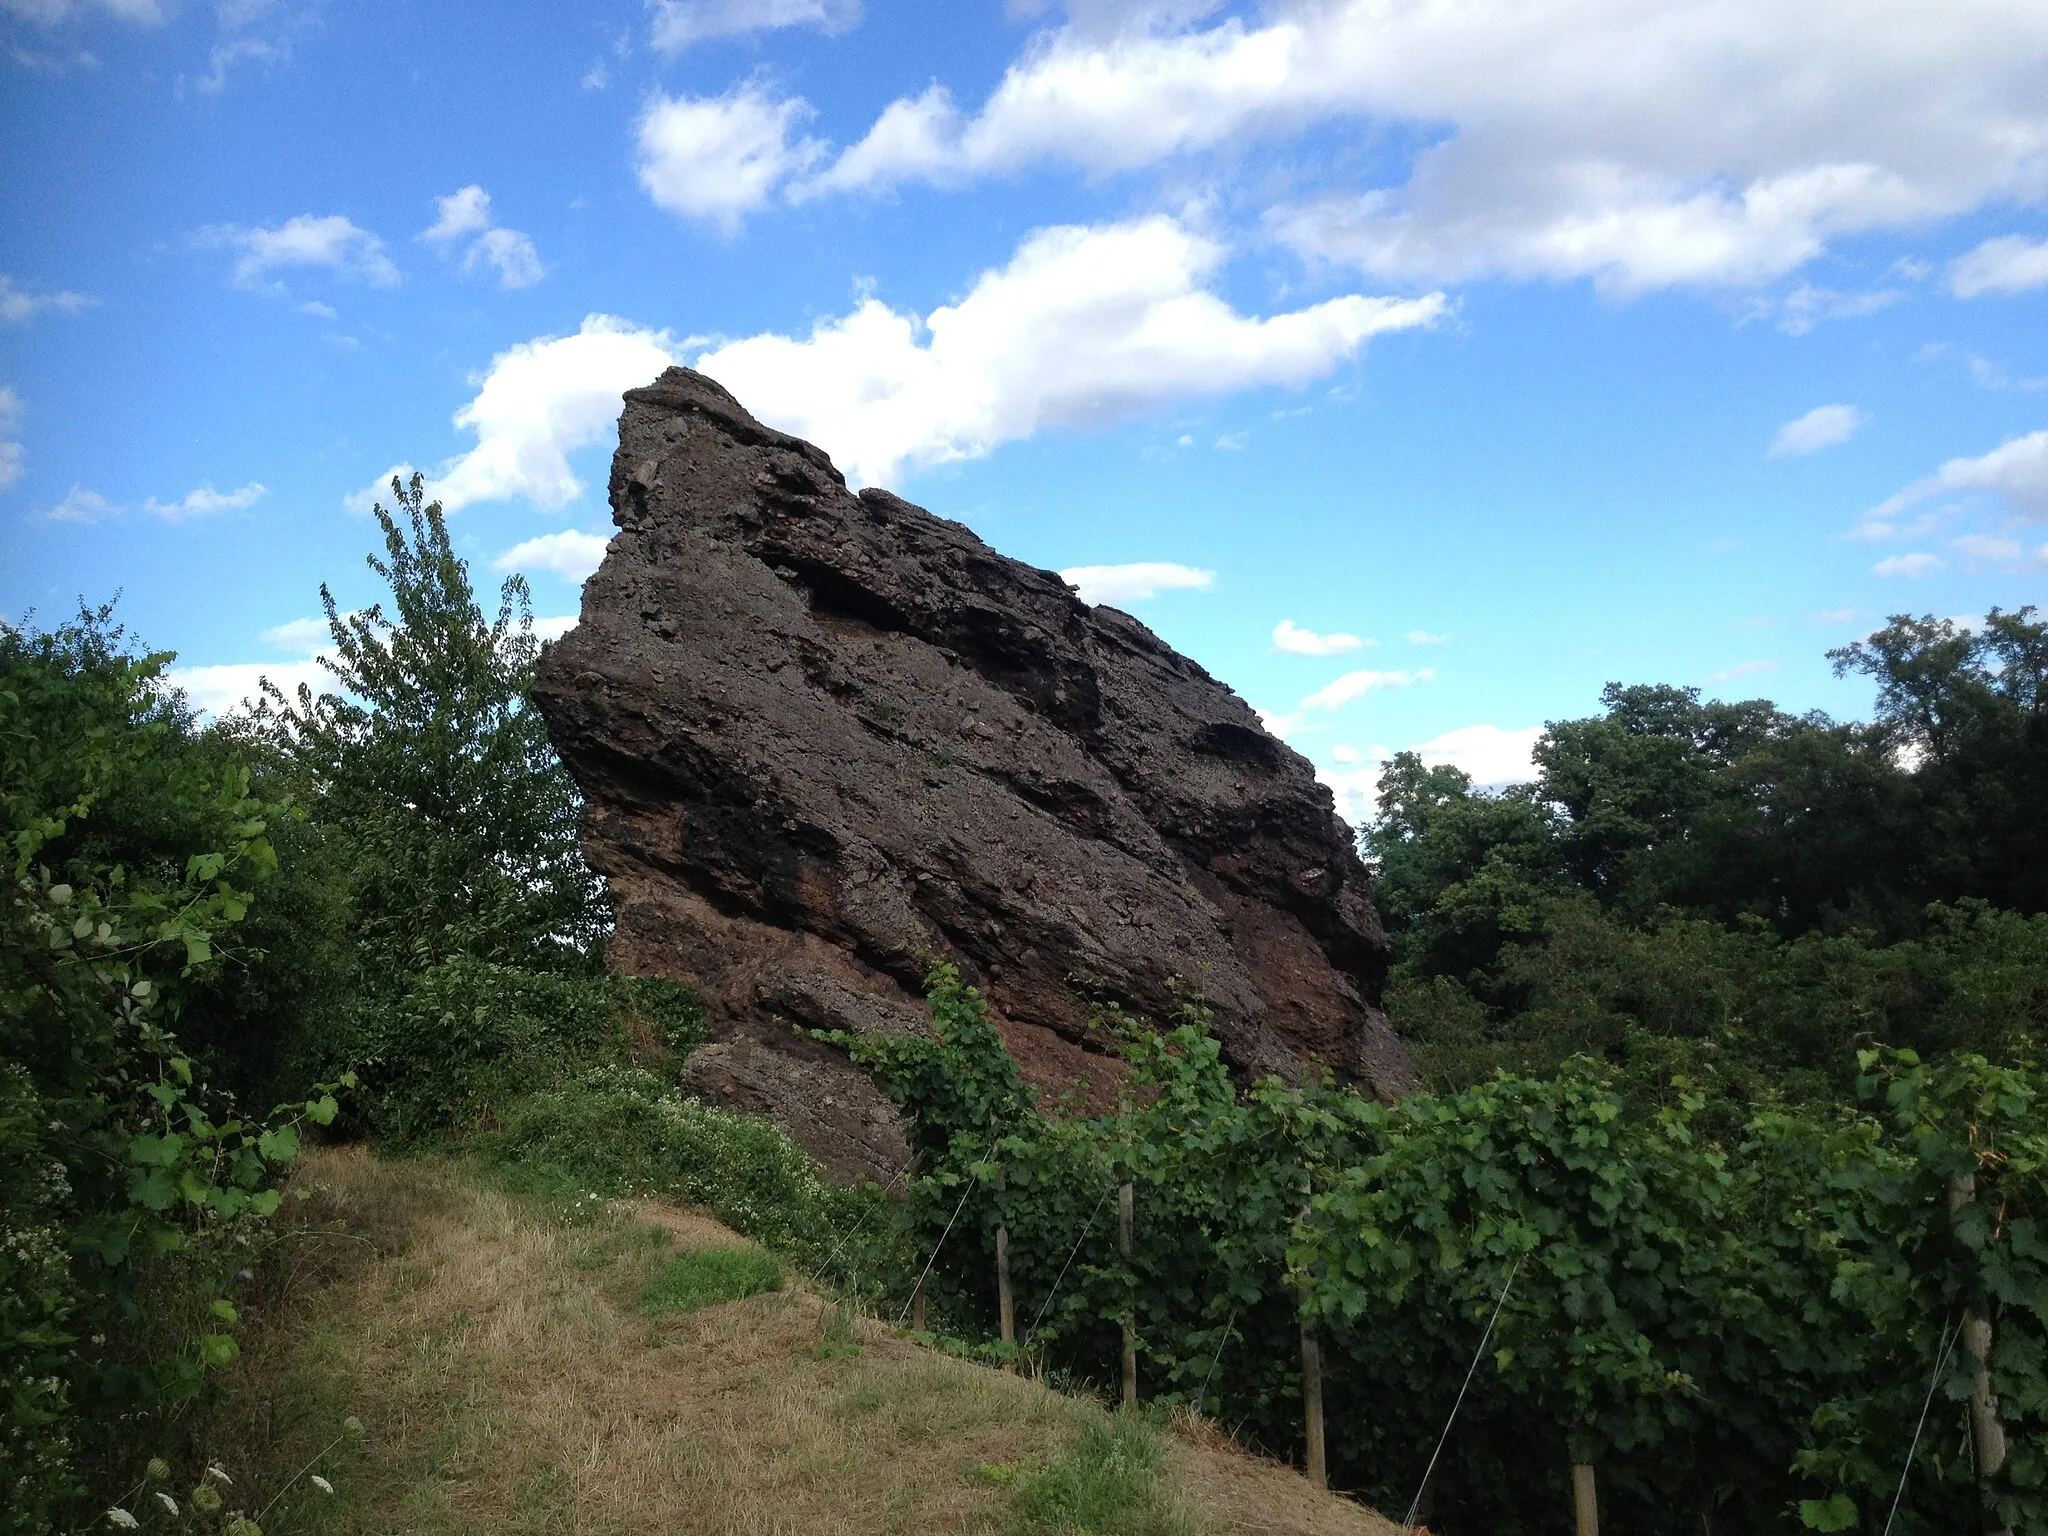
point(331, 241)
point(50, 13)
point(1910, 566)
point(1821, 427)
point(224, 689)
point(2005, 554)
point(554, 626)
point(18, 306)
point(679, 23)
point(1356, 685)
point(2009, 264)
point(2016, 470)
point(1085, 326)
point(1493, 756)
point(299, 637)
point(204, 501)
point(1425, 637)
point(717, 158)
point(1644, 145)
point(1135, 582)
point(84, 506)
point(11, 453)
point(1742, 669)
point(1296, 641)
point(568, 554)
point(536, 404)
point(465, 224)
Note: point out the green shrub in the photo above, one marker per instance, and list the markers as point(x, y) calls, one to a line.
point(707, 1277)
point(619, 1130)
point(468, 1036)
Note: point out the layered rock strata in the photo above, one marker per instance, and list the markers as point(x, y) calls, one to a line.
point(826, 738)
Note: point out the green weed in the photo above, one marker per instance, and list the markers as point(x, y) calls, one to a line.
point(1109, 1484)
point(704, 1277)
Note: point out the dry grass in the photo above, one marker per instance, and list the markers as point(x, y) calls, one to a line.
point(507, 1383)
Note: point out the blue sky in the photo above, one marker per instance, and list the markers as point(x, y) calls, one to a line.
point(1416, 368)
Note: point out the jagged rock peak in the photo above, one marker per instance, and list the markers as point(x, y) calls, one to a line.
point(827, 737)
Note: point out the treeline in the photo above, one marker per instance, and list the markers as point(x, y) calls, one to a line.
point(1733, 894)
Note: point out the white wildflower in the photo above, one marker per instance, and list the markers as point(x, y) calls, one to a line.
point(322, 1484)
point(168, 1503)
point(220, 1474)
point(120, 1517)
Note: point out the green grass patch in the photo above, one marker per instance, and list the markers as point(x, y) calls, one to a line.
point(704, 1277)
point(1109, 1484)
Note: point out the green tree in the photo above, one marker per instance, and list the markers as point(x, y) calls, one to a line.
point(456, 819)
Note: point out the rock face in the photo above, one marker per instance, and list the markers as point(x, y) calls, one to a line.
point(826, 738)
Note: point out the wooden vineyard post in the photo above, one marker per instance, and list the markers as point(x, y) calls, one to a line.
point(1987, 1425)
point(1006, 1306)
point(1312, 1404)
point(1585, 1500)
point(1311, 1373)
point(917, 1307)
point(1126, 1203)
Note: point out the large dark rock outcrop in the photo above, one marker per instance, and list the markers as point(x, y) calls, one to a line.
point(825, 738)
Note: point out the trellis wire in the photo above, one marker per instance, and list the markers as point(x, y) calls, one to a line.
point(1940, 1360)
point(928, 1263)
point(1215, 1360)
point(1408, 1521)
point(1032, 1331)
point(849, 1236)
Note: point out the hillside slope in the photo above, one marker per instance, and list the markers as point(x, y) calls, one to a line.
point(510, 1375)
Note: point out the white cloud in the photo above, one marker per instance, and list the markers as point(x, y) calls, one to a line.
point(299, 637)
point(1987, 549)
point(554, 626)
point(1085, 327)
point(221, 690)
point(2016, 469)
point(1644, 144)
point(1821, 427)
point(18, 307)
point(1910, 566)
point(234, 50)
point(49, 13)
point(204, 501)
point(679, 23)
point(1356, 685)
point(465, 220)
point(539, 402)
point(1742, 669)
point(317, 310)
point(1807, 306)
point(1425, 637)
point(1232, 442)
point(83, 506)
point(11, 453)
point(331, 241)
point(1491, 754)
point(1296, 641)
point(2008, 264)
point(717, 158)
point(1135, 582)
point(568, 554)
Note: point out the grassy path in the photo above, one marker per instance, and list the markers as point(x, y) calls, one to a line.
point(513, 1373)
